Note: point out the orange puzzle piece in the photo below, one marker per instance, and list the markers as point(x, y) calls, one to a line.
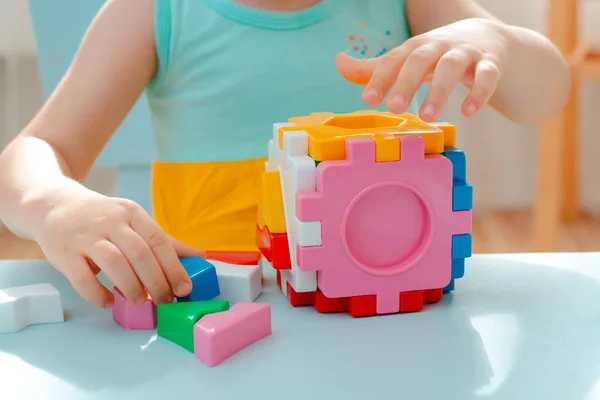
point(327, 133)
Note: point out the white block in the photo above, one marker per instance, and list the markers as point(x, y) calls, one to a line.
point(275, 154)
point(238, 283)
point(309, 233)
point(298, 174)
point(29, 305)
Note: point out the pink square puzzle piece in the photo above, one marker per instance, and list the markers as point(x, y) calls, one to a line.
point(134, 316)
point(220, 335)
point(386, 226)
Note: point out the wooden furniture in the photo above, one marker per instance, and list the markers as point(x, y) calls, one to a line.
point(558, 187)
point(16, 41)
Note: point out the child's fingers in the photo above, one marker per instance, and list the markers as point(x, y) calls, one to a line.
point(143, 262)
point(183, 250)
point(355, 70)
point(162, 248)
point(116, 267)
point(412, 74)
point(384, 75)
point(77, 270)
point(487, 75)
point(450, 69)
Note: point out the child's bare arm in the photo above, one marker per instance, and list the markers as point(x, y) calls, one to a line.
point(535, 81)
point(81, 231)
point(517, 71)
point(109, 72)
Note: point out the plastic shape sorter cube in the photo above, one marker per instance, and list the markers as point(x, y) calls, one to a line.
point(376, 211)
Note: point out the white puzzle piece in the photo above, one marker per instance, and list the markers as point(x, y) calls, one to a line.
point(275, 154)
point(238, 283)
point(309, 233)
point(298, 174)
point(29, 305)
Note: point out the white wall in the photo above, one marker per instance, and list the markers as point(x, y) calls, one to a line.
point(502, 157)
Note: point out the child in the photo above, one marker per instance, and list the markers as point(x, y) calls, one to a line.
point(217, 74)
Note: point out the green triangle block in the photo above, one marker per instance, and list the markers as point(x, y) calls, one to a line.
point(176, 320)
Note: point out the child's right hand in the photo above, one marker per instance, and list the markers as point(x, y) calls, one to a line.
point(83, 233)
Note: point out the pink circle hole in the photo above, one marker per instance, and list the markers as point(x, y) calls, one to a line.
point(387, 228)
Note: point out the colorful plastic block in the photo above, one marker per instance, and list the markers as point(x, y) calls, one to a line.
point(394, 223)
point(29, 305)
point(357, 306)
point(296, 298)
point(462, 196)
point(219, 336)
point(205, 285)
point(272, 202)
point(328, 132)
point(176, 320)
point(449, 133)
point(459, 163)
point(297, 173)
point(297, 176)
point(412, 301)
point(372, 202)
point(458, 268)
point(134, 316)
point(274, 247)
point(462, 245)
point(238, 284)
point(235, 257)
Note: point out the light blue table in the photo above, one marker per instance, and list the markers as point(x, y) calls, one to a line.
point(517, 327)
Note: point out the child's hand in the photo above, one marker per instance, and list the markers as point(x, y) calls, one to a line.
point(83, 233)
point(472, 51)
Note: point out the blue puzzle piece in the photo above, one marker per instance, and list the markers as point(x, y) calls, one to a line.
point(458, 268)
point(450, 287)
point(459, 163)
point(461, 246)
point(458, 271)
point(462, 196)
point(204, 279)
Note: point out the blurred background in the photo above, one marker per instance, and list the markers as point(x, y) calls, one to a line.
point(504, 159)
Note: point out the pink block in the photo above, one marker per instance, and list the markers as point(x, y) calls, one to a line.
point(386, 226)
point(134, 316)
point(220, 335)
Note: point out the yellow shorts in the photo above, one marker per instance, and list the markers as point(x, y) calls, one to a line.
point(208, 205)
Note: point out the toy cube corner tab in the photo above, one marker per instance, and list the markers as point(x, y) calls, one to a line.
point(459, 162)
point(462, 246)
point(462, 196)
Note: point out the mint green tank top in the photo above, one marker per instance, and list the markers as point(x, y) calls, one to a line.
point(227, 72)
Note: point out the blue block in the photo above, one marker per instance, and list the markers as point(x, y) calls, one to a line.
point(459, 163)
point(458, 268)
point(461, 246)
point(462, 196)
point(204, 279)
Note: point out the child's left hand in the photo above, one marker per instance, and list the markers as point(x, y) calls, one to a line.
point(472, 51)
